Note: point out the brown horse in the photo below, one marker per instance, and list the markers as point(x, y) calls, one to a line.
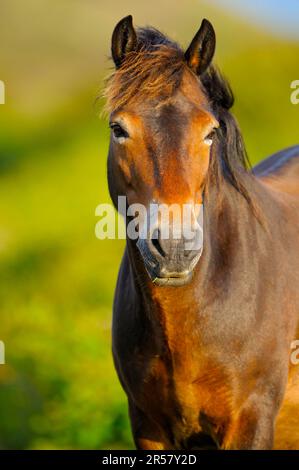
point(201, 338)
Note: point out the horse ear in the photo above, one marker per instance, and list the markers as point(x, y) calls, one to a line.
point(124, 40)
point(200, 53)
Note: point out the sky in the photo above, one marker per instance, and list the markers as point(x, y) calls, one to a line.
point(280, 16)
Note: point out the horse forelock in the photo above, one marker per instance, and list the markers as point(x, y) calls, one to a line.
point(153, 74)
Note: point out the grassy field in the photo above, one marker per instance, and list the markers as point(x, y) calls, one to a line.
point(58, 388)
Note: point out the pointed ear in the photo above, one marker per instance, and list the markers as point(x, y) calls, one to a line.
point(200, 53)
point(124, 40)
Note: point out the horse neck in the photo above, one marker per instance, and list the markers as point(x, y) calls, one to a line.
point(231, 219)
point(230, 228)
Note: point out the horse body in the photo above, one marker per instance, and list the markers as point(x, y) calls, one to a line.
point(206, 364)
point(281, 174)
point(210, 362)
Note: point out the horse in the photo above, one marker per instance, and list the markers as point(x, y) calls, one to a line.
point(201, 338)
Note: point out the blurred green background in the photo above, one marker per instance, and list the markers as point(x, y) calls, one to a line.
point(58, 388)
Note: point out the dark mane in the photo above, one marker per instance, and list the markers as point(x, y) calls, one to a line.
point(154, 71)
point(149, 38)
point(234, 163)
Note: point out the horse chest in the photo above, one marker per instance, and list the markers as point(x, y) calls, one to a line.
point(191, 397)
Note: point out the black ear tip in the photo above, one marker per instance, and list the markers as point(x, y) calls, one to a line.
point(128, 20)
point(124, 23)
point(208, 25)
point(201, 50)
point(124, 40)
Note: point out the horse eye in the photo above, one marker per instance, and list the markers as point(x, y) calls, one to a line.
point(210, 138)
point(118, 131)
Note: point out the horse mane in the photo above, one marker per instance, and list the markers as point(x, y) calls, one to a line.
point(154, 69)
point(154, 72)
point(234, 164)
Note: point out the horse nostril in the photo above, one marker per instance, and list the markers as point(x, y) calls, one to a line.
point(156, 243)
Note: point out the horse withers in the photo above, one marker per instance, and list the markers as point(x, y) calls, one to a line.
point(201, 337)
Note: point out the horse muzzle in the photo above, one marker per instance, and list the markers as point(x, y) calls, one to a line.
point(171, 261)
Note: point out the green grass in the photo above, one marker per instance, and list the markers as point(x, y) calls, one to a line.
point(59, 388)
